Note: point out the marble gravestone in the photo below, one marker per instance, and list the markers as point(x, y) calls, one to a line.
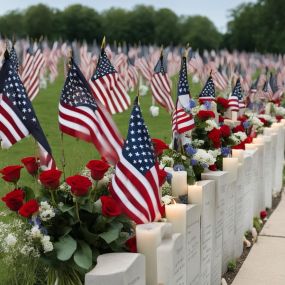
point(187, 222)
point(171, 261)
point(221, 182)
point(203, 194)
point(118, 268)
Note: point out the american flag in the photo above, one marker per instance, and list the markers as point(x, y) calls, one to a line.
point(208, 92)
point(27, 66)
point(144, 68)
point(135, 184)
point(160, 86)
point(82, 117)
point(234, 97)
point(241, 102)
point(182, 119)
point(14, 58)
point(107, 86)
point(267, 92)
point(17, 116)
point(133, 76)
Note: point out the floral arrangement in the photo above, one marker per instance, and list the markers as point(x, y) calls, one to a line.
point(63, 226)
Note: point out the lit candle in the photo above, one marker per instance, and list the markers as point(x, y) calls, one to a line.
point(194, 194)
point(148, 239)
point(230, 164)
point(179, 183)
point(238, 153)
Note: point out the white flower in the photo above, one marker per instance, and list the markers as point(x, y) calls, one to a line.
point(35, 232)
point(47, 244)
point(167, 161)
point(255, 121)
point(211, 124)
point(154, 111)
point(166, 200)
point(204, 157)
point(195, 110)
point(10, 240)
point(197, 143)
point(46, 211)
point(215, 152)
point(241, 136)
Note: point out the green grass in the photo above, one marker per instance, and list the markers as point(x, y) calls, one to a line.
point(77, 153)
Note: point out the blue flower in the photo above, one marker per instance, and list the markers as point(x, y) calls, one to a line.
point(207, 105)
point(190, 150)
point(194, 162)
point(169, 177)
point(246, 124)
point(178, 167)
point(225, 151)
point(204, 165)
point(192, 104)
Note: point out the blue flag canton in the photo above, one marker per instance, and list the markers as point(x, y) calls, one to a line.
point(209, 89)
point(14, 59)
point(75, 92)
point(159, 68)
point(237, 90)
point(15, 91)
point(104, 67)
point(183, 86)
point(138, 149)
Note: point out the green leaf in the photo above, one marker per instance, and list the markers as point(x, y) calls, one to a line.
point(112, 234)
point(29, 193)
point(90, 237)
point(83, 255)
point(66, 208)
point(65, 247)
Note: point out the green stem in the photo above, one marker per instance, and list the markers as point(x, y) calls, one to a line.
point(93, 195)
point(77, 210)
point(53, 197)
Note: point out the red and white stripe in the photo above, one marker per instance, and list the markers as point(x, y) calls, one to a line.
point(137, 193)
point(161, 91)
point(233, 103)
point(109, 90)
point(182, 121)
point(95, 127)
point(144, 68)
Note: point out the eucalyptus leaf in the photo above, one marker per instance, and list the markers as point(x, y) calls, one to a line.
point(113, 233)
point(83, 255)
point(65, 247)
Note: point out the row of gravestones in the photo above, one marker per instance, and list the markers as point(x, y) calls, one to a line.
point(199, 239)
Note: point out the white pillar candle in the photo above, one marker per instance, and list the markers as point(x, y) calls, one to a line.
point(148, 239)
point(179, 183)
point(176, 214)
point(234, 116)
point(230, 164)
point(238, 153)
point(194, 192)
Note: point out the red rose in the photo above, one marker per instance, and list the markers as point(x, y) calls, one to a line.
point(248, 140)
point(239, 146)
point(29, 208)
point(263, 215)
point(279, 118)
point(221, 119)
point(31, 164)
point(204, 114)
point(98, 168)
point(215, 136)
point(225, 131)
point(242, 118)
point(238, 128)
point(131, 244)
point(50, 178)
point(159, 146)
point(110, 207)
point(213, 167)
point(162, 174)
point(79, 184)
point(14, 199)
point(265, 122)
point(11, 173)
point(223, 102)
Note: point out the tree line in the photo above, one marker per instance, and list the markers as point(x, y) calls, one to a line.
point(258, 26)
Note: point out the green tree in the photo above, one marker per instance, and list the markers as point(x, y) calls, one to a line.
point(12, 23)
point(200, 32)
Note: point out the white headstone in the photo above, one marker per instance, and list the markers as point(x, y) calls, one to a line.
point(118, 268)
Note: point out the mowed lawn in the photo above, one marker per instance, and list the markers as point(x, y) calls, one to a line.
point(78, 153)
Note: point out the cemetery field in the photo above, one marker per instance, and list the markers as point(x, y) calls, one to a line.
point(78, 153)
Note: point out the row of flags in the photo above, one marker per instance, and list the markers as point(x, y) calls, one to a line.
point(86, 105)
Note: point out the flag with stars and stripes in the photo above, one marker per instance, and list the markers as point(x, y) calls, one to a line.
point(107, 86)
point(182, 119)
point(208, 92)
point(241, 102)
point(267, 92)
point(17, 116)
point(160, 86)
point(234, 97)
point(14, 58)
point(135, 184)
point(81, 116)
point(27, 66)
